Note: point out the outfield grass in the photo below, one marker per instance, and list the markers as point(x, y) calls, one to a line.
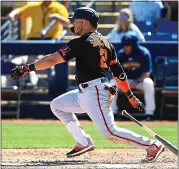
point(56, 135)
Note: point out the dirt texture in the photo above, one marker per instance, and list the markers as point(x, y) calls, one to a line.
point(97, 159)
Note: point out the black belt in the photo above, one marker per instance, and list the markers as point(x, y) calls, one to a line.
point(85, 85)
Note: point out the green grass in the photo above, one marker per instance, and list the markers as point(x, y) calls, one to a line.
point(56, 135)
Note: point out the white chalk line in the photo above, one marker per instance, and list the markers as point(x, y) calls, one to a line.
point(98, 166)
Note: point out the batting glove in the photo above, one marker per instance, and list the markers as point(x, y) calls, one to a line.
point(20, 72)
point(136, 103)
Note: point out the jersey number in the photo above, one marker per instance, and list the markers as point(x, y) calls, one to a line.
point(103, 54)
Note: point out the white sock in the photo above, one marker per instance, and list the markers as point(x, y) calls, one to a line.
point(77, 131)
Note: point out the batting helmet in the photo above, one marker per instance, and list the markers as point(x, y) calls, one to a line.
point(86, 13)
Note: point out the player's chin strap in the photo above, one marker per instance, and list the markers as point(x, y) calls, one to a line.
point(72, 29)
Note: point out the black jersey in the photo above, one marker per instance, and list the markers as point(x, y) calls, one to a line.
point(93, 54)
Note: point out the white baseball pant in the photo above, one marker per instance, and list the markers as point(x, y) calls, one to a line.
point(149, 95)
point(96, 102)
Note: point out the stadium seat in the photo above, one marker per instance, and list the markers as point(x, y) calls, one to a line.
point(170, 89)
point(9, 92)
point(162, 37)
point(167, 26)
point(160, 67)
point(147, 26)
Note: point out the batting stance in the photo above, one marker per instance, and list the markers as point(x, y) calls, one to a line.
point(94, 95)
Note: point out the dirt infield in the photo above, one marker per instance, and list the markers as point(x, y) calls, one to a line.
point(99, 158)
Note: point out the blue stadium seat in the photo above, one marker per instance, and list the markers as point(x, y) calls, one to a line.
point(167, 26)
point(146, 26)
point(160, 67)
point(171, 78)
point(8, 92)
point(162, 37)
point(170, 89)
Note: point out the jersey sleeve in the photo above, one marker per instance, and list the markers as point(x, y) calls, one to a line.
point(118, 72)
point(26, 11)
point(113, 57)
point(70, 50)
point(62, 10)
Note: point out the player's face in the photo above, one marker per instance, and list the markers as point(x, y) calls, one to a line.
point(127, 49)
point(78, 26)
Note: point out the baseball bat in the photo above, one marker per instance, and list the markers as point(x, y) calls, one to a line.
point(171, 147)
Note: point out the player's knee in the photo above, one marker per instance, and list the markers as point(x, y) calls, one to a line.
point(109, 132)
point(54, 105)
point(104, 131)
point(55, 109)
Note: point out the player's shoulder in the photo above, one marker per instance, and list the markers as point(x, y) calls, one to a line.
point(97, 39)
point(144, 50)
point(75, 41)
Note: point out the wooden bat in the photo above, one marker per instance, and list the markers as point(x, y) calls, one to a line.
point(171, 147)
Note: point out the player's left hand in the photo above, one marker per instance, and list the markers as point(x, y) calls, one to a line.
point(19, 72)
point(136, 103)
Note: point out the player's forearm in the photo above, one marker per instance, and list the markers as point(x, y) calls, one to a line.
point(63, 20)
point(46, 62)
point(124, 86)
point(121, 78)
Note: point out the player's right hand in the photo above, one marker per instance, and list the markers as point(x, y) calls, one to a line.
point(19, 72)
point(136, 103)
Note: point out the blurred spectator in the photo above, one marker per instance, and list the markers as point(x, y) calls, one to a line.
point(124, 24)
point(136, 61)
point(41, 13)
point(171, 10)
point(146, 10)
point(68, 5)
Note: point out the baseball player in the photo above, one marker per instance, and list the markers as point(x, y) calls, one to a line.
point(93, 55)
